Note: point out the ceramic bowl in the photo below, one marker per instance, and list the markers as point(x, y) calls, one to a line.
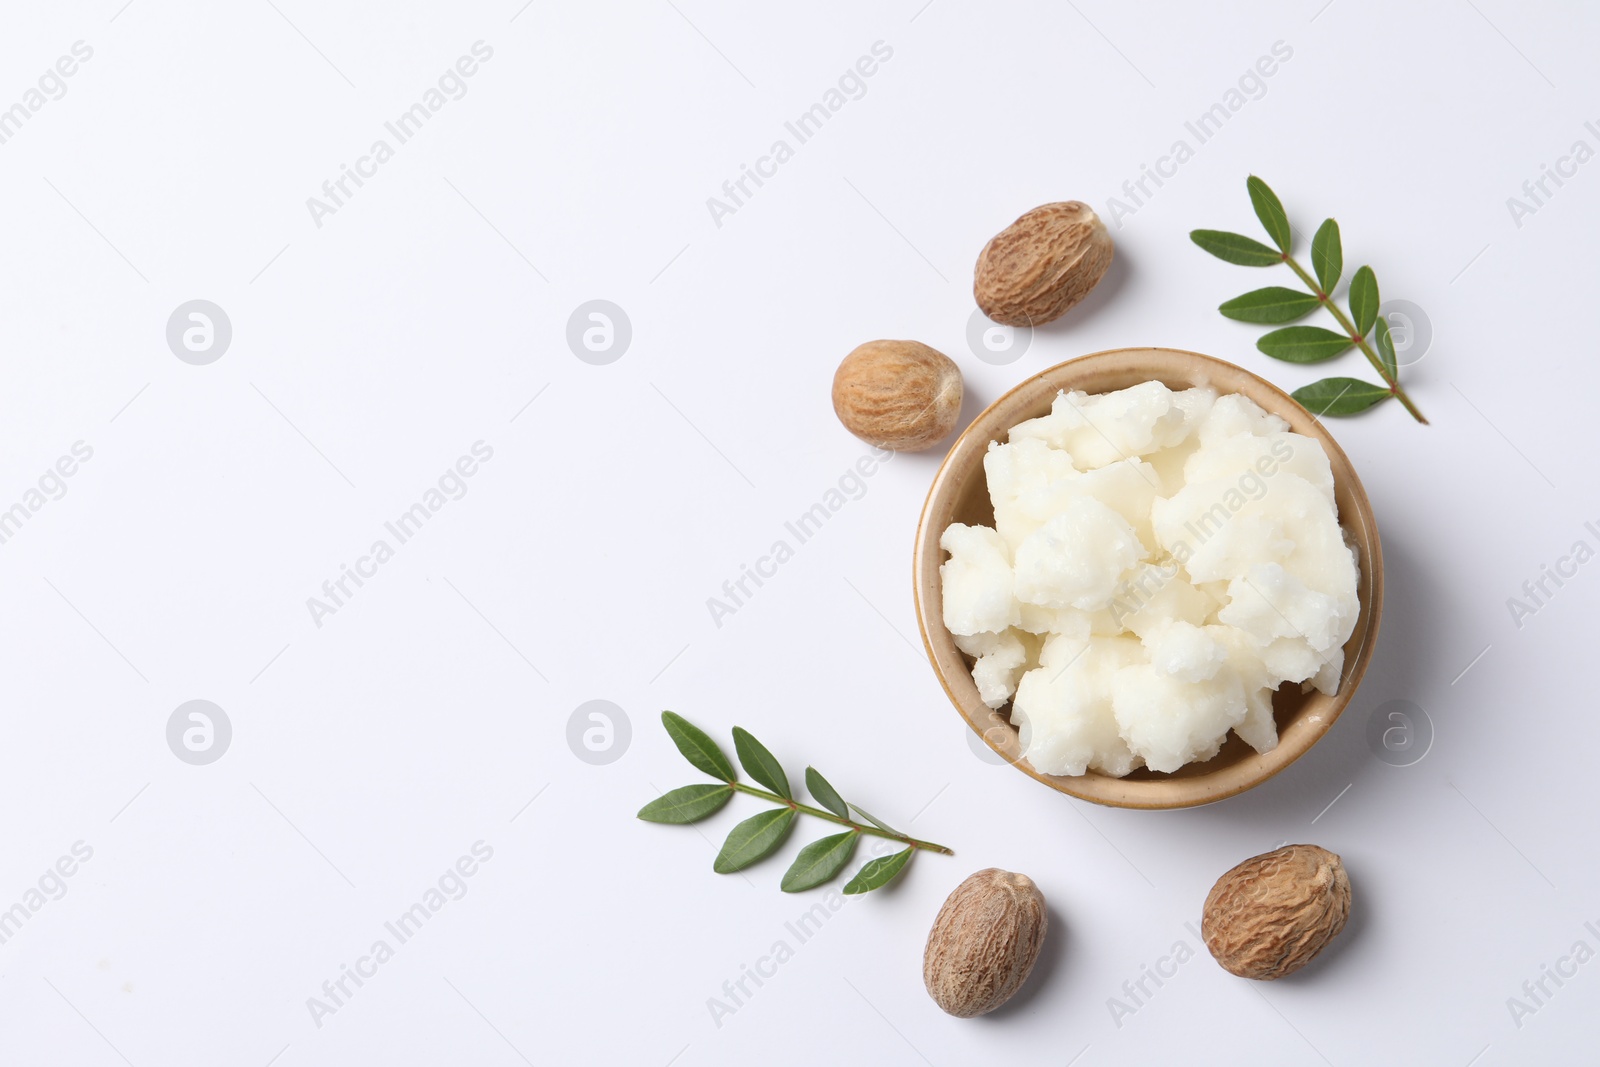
point(960, 494)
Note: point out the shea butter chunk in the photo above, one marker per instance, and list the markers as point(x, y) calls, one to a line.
point(1077, 558)
point(976, 580)
point(998, 662)
point(1063, 707)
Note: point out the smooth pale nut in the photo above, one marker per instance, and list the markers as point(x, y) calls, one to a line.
point(1271, 914)
point(984, 942)
point(1036, 269)
point(900, 395)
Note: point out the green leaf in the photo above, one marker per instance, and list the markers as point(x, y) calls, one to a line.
point(1364, 300)
point(689, 804)
point(877, 873)
point(1340, 396)
point(1327, 256)
point(1303, 344)
point(760, 763)
point(867, 815)
point(754, 839)
point(819, 861)
point(1386, 350)
point(825, 794)
point(1272, 304)
point(1235, 248)
point(697, 748)
point(1269, 209)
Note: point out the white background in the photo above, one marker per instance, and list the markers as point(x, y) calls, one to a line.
point(371, 752)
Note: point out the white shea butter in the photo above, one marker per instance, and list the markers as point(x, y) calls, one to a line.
point(1161, 562)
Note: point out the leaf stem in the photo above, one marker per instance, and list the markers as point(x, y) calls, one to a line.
point(927, 846)
point(1350, 328)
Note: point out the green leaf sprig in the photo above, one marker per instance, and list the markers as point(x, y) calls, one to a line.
point(759, 836)
point(1277, 304)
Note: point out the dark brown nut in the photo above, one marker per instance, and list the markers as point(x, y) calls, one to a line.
point(901, 395)
point(1036, 269)
point(984, 942)
point(1272, 913)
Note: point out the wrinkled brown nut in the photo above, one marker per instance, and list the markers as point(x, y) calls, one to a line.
point(898, 394)
point(1271, 914)
point(1036, 269)
point(984, 942)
